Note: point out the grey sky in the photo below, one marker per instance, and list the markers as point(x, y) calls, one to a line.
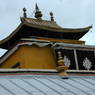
point(67, 13)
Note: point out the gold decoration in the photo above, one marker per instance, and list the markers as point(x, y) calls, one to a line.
point(61, 67)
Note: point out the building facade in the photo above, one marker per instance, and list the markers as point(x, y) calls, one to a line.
point(36, 42)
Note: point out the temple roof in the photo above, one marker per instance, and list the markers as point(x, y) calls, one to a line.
point(52, 25)
point(45, 84)
point(37, 27)
point(28, 25)
point(42, 23)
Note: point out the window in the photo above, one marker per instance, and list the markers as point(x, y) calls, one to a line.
point(17, 65)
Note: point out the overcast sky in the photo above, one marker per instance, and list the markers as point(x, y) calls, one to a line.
point(67, 13)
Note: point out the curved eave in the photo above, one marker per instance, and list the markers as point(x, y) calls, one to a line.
point(11, 35)
point(81, 32)
point(68, 33)
point(67, 30)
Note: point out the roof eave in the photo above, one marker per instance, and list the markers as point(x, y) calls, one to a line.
point(83, 31)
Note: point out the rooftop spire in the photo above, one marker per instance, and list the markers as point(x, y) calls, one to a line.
point(52, 18)
point(24, 13)
point(37, 7)
point(38, 13)
point(61, 66)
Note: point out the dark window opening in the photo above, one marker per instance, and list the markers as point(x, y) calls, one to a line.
point(17, 65)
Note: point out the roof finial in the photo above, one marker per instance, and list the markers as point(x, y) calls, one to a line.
point(61, 66)
point(38, 13)
point(37, 7)
point(24, 13)
point(52, 18)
